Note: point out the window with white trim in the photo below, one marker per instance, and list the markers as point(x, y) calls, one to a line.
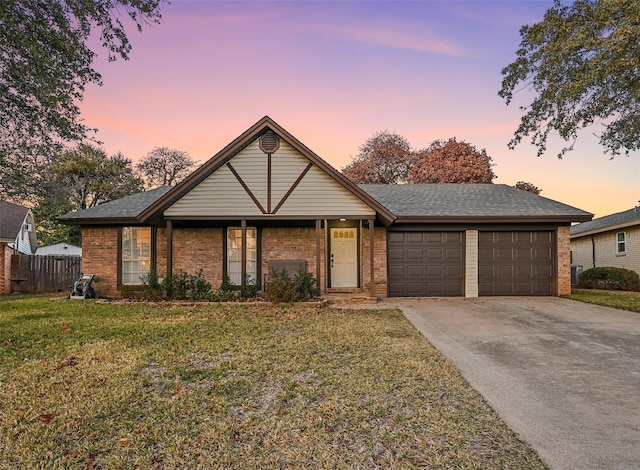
point(234, 254)
point(136, 254)
point(621, 243)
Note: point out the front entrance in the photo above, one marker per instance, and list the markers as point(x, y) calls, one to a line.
point(343, 259)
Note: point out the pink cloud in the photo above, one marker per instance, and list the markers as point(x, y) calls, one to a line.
point(396, 36)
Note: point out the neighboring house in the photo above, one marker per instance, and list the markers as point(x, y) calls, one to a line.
point(59, 249)
point(17, 235)
point(612, 240)
point(266, 200)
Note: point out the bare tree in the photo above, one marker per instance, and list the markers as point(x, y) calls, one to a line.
point(165, 167)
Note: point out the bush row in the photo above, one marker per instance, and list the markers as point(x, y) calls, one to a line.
point(185, 286)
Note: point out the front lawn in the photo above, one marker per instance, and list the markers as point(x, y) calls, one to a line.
point(608, 298)
point(88, 385)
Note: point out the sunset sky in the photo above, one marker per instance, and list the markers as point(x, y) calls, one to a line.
point(333, 74)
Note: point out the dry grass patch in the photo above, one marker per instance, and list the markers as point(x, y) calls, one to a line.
point(84, 385)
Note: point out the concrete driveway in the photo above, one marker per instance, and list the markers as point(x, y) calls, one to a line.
point(564, 375)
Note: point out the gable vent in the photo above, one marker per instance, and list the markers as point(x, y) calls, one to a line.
point(269, 142)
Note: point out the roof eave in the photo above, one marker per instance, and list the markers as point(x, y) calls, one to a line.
point(560, 219)
point(608, 228)
point(100, 221)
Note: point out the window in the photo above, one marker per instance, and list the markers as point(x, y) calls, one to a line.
point(136, 254)
point(622, 243)
point(234, 254)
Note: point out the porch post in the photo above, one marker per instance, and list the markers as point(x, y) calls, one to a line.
point(371, 257)
point(169, 248)
point(243, 256)
point(318, 252)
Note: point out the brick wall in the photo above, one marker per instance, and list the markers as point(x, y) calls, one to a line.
point(582, 252)
point(195, 249)
point(292, 243)
point(606, 250)
point(564, 261)
point(100, 257)
point(161, 252)
point(5, 269)
point(379, 261)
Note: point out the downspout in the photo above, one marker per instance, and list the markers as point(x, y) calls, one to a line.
point(593, 251)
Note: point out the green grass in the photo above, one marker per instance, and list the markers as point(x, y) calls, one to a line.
point(88, 385)
point(608, 298)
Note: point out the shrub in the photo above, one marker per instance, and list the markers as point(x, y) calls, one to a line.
point(227, 285)
point(153, 288)
point(181, 286)
point(226, 292)
point(609, 278)
point(306, 285)
point(282, 288)
point(250, 288)
point(199, 288)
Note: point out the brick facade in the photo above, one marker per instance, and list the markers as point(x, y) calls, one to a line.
point(564, 261)
point(202, 248)
point(100, 257)
point(379, 261)
point(605, 246)
point(292, 243)
point(5, 269)
point(195, 249)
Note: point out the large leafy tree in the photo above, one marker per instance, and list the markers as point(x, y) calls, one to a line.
point(387, 158)
point(452, 161)
point(384, 158)
point(582, 63)
point(164, 167)
point(78, 179)
point(45, 65)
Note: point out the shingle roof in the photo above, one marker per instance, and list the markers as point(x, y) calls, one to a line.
point(11, 218)
point(128, 207)
point(426, 201)
point(629, 217)
point(468, 200)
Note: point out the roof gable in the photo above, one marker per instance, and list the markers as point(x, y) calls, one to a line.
point(12, 217)
point(239, 181)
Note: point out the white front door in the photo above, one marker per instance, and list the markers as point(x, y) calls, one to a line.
point(344, 257)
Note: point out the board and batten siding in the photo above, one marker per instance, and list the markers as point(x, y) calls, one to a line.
point(221, 194)
point(471, 264)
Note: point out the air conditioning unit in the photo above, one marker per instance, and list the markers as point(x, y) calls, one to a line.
point(576, 270)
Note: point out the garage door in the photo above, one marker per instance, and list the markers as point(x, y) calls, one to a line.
point(515, 263)
point(425, 263)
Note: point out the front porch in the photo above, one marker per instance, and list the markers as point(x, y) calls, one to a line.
point(345, 256)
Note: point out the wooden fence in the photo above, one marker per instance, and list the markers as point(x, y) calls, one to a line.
point(39, 274)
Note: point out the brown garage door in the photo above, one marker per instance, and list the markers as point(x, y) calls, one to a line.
point(423, 264)
point(515, 263)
